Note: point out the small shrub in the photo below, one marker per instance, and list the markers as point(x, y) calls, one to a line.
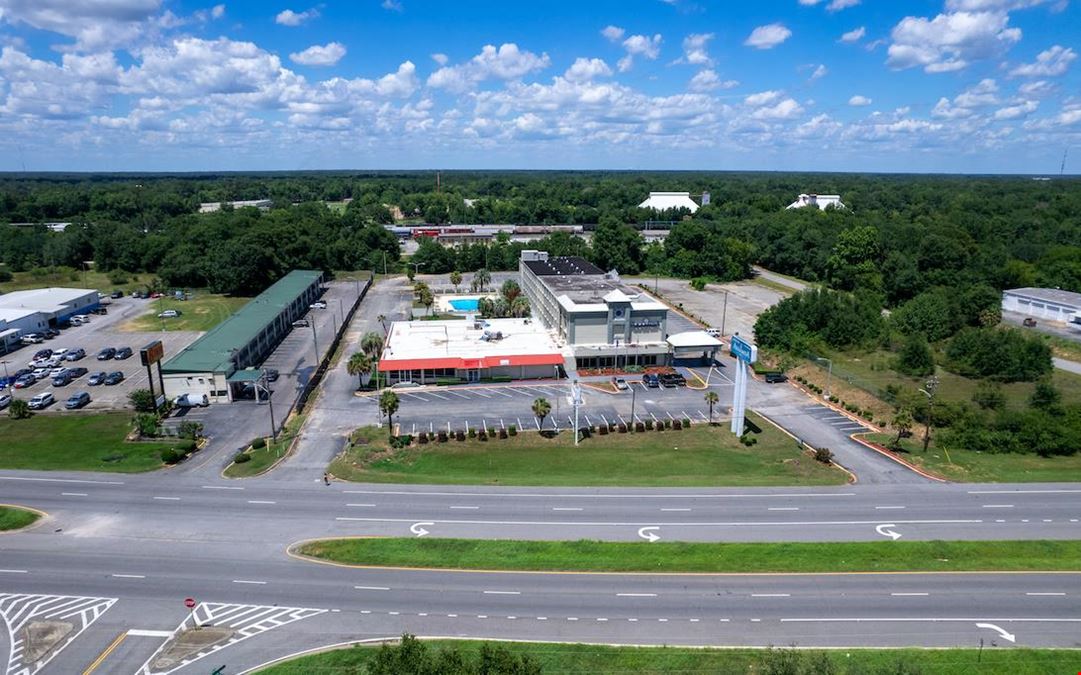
point(622, 428)
point(482, 435)
point(118, 277)
point(660, 425)
point(649, 425)
point(423, 439)
point(472, 433)
point(5, 276)
point(442, 437)
point(824, 455)
point(241, 457)
point(186, 446)
point(513, 430)
point(258, 443)
point(170, 456)
point(639, 427)
point(502, 433)
point(603, 430)
point(19, 409)
point(460, 435)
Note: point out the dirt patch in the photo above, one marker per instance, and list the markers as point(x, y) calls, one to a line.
point(41, 637)
point(188, 643)
point(883, 412)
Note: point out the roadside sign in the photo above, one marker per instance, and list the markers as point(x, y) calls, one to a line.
point(189, 603)
point(743, 350)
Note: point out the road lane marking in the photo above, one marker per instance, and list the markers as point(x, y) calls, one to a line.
point(260, 501)
point(372, 588)
point(105, 654)
point(998, 506)
point(564, 523)
point(783, 508)
point(1020, 492)
point(168, 499)
point(14, 571)
point(220, 487)
point(912, 619)
point(129, 576)
point(502, 592)
point(74, 494)
point(771, 595)
point(1045, 594)
point(246, 581)
point(675, 509)
point(360, 504)
point(908, 595)
point(886, 508)
point(636, 595)
point(466, 508)
point(566, 508)
point(586, 495)
point(64, 480)
point(140, 632)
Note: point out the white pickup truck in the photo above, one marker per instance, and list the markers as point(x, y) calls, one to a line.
point(192, 401)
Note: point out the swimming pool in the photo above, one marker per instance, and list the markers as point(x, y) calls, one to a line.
point(465, 304)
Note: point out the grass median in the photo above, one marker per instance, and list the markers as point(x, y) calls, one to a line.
point(81, 441)
point(262, 459)
point(14, 518)
point(595, 659)
point(696, 457)
point(597, 556)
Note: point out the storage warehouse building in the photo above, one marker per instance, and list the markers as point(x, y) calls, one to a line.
point(1049, 304)
point(24, 312)
point(210, 365)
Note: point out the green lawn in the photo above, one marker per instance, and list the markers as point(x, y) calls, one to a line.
point(598, 556)
point(975, 467)
point(76, 442)
point(265, 457)
point(600, 660)
point(699, 456)
point(69, 277)
point(13, 518)
point(201, 313)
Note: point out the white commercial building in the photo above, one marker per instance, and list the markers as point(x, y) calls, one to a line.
point(23, 312)
point(1050, 304)
point(821, 201)
point(663, 201)
point(211, 207)
point(605, 322)
point(427, 352)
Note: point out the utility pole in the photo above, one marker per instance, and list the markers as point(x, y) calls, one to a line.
point(634, 393)
point(929, 391)
point(724, 312)
point(270, 400)
point(315, 341)
point(341, 310)
point(384, 270)
point(829, 373)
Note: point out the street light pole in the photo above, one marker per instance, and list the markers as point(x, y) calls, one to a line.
point(315, 341)
point(724, 312)
point(270, 400)
point(634, 393)
point(929, 392)
point(341, 310)
point(829, 373)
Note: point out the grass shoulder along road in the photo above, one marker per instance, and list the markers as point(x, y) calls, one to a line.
point(262, 459)
point(603, 660)
point(201, 313)
point(14, 518)
point(966, 466)
point(674, 557)
point(76, 442)
point(695, 457)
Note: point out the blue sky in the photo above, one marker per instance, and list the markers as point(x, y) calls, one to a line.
point(982, 86)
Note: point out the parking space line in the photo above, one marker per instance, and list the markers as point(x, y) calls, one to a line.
point(479, 393)
point(432, 393)
point(500, 393)
point(454, 393)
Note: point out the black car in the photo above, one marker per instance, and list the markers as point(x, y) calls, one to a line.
point(116, 295)
point(77, 372)
point(115, 377)
point(669, 380)
point(271, 374)
point(42, 354)
point(20, 372)
point(99, 310)
point(774, 378)
point(97, 378)
point(62, 379)
point(651, 380)
point(50, 333)
point(122, 353)
point(77, 400)
point(106, 354)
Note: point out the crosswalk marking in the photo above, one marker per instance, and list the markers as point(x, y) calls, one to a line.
point(244, 620)
point(18, 610)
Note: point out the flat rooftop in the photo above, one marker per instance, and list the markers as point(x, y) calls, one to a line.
point(594, 289)
point(1068, 298)
point(43, 299)
point(565, 265)
point(416, 345)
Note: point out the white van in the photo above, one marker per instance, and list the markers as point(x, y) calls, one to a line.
point(192, 401)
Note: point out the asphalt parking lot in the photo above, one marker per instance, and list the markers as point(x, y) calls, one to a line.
point(827, 415)
point(102, 331)
point(495, 406)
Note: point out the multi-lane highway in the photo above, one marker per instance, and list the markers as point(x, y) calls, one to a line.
point(144, 543)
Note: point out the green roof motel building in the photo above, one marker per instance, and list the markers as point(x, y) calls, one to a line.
point(214, 364)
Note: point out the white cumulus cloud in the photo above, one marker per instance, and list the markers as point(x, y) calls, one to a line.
point(508, 62)
point(859, 101)
point(584, 70)
point(950, 42)
point(784, 110)
point(762, 98)
point(640, 45)
point(613, 33)
point(288, 17)
point(1018, 111)
point(695, 48)
point(854, 35)
point(768, 36)
point(320, 55)
point(1049, 63)
point(708, 80)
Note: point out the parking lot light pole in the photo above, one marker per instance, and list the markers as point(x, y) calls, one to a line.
point(341, 310)
point(634, 393)
point(829, 373)
point(270, 400)
point(315, 341)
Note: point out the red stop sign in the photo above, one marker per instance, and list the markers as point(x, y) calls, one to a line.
point(189, 602)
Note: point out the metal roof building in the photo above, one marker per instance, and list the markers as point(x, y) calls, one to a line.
point(1044, 303)
point(662, 201)
point(242, 340)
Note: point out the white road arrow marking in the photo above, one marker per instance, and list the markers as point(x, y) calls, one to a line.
point(647, 533)
point(418, 529)
point(885, 531)
point(1003, 634)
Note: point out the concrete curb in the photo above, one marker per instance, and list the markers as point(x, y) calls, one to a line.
point(853, 478)
point(42, 517)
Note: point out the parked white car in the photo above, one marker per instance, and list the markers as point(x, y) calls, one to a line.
point(43, 400)
point(5, 400)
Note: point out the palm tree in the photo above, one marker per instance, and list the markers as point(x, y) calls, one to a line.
point(456, 279)
point(541, 408)
point(426, 298)
point(510, 290)
point(382, 319)
point(388, 405)
point(360, 364)
point(519, 307)
point(372, 344)
point(482, 277)
point(711, 399)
